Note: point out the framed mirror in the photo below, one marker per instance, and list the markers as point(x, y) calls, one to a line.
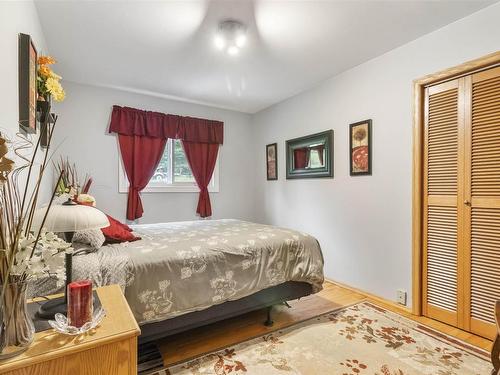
point(310, 156)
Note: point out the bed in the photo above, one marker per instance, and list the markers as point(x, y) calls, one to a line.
point(186, 274)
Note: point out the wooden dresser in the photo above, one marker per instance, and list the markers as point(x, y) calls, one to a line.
point(110, 350)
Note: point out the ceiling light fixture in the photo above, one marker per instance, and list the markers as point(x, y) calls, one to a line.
point(230, 36)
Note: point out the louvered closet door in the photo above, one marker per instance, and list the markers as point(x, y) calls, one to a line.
point(483, 200)
point(443, 126)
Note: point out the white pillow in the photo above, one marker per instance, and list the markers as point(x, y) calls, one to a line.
point(93, 237)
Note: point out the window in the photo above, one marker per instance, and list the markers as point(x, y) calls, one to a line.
point(315, 159)
point(172, 174)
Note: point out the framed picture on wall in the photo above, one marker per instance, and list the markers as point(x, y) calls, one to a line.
point(360, 148)
point(27, 57)
point(310, 156)
point(272, 161)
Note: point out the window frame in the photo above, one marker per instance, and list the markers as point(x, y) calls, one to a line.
point(175, 187)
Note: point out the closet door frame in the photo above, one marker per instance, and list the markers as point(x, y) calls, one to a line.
point(419, 87)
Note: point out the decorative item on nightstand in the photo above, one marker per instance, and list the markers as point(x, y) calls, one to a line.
point(67, 218)
point(26, 254)
point(81, 316)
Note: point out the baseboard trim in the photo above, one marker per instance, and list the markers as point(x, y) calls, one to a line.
point(383, 301)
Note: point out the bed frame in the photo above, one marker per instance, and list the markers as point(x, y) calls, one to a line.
point(265, 298)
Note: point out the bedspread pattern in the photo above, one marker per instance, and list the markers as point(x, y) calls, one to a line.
point(182, 267)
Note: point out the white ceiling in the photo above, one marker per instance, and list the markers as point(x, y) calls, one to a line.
point(166, 48)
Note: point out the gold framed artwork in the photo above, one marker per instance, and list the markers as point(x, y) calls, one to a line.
point(27, 83)
point(360, 148)
point(272, 161)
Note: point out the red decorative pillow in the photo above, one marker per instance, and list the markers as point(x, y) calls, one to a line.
point(118, 232)
point(123, 225)
point(126, 227)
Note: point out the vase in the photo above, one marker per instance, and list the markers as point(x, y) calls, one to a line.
point(17, 330)
point(44, 119)
point(43, 108)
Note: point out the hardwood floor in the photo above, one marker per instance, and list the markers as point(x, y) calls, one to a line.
point(216, 336)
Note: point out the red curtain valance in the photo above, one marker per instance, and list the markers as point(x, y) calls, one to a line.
point(131, 121)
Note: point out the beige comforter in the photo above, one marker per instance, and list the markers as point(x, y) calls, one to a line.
point(182, 267)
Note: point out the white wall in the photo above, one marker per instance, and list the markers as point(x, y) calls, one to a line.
point(83, 122)
point(364, 223)
point(16, 17)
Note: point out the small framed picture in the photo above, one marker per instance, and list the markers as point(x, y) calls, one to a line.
point(360, 148)
point(27, 61)
point(272, 161)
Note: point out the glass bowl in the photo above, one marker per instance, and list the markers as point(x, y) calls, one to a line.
point(60, 324)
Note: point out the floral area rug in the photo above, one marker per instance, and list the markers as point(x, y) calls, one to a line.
point(360, 339)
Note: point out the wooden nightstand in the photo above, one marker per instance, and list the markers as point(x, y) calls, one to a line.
point(110, 350)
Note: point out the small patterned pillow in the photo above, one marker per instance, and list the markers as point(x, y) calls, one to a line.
point(93, 237)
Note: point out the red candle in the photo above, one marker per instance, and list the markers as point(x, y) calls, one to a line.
point(80, 303)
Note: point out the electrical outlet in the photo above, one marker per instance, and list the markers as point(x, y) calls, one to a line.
point(401, 297)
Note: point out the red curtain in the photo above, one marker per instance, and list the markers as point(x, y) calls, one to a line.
point(201, 158)
point(140, 156)
point(142, 136)
point(131, 121)
point(300, 158)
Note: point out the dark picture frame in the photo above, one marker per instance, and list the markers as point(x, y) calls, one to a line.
point(27, 73)
point(272, 161)
point(325, 141)
point(360, 148)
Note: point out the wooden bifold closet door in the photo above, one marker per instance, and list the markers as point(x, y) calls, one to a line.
point(461, 203)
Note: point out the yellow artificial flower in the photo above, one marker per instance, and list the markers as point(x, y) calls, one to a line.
point(45, 71)
point(52, 85)
point(55, 89)
point(60, 96)
point(46, 60)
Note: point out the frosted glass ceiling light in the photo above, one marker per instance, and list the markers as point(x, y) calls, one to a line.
point(230, 36)
point(241, 40)
point(220, 42)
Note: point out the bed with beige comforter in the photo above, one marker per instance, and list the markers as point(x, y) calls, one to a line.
point(181, 267)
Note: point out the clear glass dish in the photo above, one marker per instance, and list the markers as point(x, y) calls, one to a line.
point(60, 324)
